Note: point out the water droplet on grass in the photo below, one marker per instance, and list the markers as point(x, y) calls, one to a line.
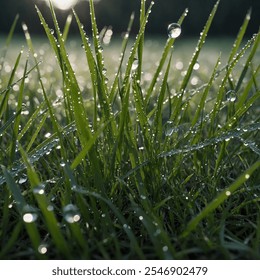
point(71, 213)
point(39, 189)
point(135, 64)
point(141, 218)
point(169, 128)
point(231, 96)
point(174, 30)
point(228, 193)
point(50, 208)
point(42, 249)
point(196, 66)
point(30, 214)
point(22, 180)
point(165, 248)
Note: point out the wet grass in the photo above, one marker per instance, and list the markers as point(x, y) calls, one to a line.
point(149, 150)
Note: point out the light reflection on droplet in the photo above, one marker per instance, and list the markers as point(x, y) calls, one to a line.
point(196, 66)
point(29, 217)
point(165, 248)
point(39, 189)
point(179, 65)
point(231, 96)
point(42, 249)
point(22, 180)
point(174, 30)
point(71, 213)
point(228, 193)
point(135, 64)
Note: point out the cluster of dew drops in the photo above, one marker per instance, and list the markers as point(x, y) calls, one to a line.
point(70, 212)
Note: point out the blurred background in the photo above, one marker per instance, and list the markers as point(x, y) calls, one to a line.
point(116, 13)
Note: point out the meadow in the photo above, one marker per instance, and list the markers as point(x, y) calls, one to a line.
point(130, 147)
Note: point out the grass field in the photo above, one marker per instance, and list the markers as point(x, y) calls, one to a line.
point(144, 148)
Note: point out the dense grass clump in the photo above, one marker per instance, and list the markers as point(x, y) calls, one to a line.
point(143, 164)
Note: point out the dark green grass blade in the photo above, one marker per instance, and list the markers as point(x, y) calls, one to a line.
point(36, 114)
point(97, 45)
point(82, 155)
point(166, 51)
point(9, 122)
point(40, 151)
point(238, 132)
point(114, 88)
point(202, 103)
point(222, 88)
point(134, 243)
point(51, 113)
point(12, 241)
point(15, 190)
point(126, 83)
point(67, 27)
point(162, 244)
point(102, 80)
point(141, 44)
point(21, 204)
point(91, 65)
point(49, 217)
point(75, 96)
point(248, 62)
point(240, 36)
point(193, 61)
point(158, 114)
point(18, 119)
point(223, 196)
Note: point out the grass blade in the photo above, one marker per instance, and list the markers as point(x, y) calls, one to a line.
point(220, 199)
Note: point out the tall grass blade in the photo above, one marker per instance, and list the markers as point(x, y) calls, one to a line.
point(223, 196)
point(166, 51)
point(49, 217)
point(193, 61)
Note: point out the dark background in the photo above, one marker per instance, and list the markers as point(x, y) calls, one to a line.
point(116, 13)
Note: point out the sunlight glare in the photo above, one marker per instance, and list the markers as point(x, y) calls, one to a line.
point(63, 4)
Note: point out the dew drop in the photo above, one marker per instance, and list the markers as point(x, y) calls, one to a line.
point(50, 208)
point(165, 248)
point(29, 218)
point(135, 64)
point(170, 128)
point(42, 249)
point(22, 180)
point(231, 96)
point(71, 213)
point(29, 214)
point(228, 193)
point(141, 218)
point(174, 30)
point(39, 189)
point(247, 176)
point(196, 66)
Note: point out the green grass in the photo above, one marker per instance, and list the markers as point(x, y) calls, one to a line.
point(157, 161)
